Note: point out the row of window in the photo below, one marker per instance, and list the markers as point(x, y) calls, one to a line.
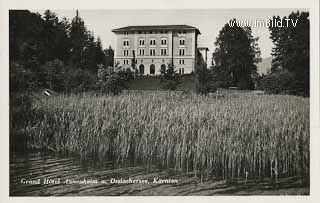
point(152, 42)
point(152, 52)
point(154, 32)
point(126, 61)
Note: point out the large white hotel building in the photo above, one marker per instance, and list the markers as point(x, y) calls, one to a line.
point(153, 47)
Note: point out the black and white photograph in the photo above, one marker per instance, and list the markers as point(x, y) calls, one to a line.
point(159, 102)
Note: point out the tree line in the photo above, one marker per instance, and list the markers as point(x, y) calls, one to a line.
point(63, 55)
point(53, 53)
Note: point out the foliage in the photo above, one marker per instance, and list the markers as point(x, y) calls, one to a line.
point(21, 85)
point(220, 77)
point(126, 74)
point(112, 80)
point(238, 53)
point(54, 74)
point(280, 82)
point(291, 51)
point(57, 53)
point(203, 80)
point(169, 77)
point(185, 132)
point(109, 54)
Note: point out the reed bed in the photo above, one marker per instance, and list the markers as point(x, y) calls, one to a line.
point(232, 137)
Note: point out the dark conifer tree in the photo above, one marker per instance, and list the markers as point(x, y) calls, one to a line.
point(291, 49)
point(237, 53)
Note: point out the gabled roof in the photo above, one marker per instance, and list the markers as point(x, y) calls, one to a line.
point(156, 27)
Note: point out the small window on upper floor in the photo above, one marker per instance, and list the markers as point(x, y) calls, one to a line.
point(126, 42)
point(182, 42)
point(152, 42)
point(141, 42)
point(163, 42)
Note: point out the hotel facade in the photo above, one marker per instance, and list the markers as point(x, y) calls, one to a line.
point(152, 48)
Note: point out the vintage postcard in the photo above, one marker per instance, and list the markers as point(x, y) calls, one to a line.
point(160, 102)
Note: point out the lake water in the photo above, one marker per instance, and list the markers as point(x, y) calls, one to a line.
point(43, 174)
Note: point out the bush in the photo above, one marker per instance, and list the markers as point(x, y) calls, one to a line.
point(169, 78)
point(203, 80)
point(21, 86)
point(54, 72)
point(111, 80)
point(126, 74)
point(280, 82)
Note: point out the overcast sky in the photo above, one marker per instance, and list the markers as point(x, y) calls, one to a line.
point(209, 22)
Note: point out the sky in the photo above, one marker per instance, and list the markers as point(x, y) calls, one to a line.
point(209, 22)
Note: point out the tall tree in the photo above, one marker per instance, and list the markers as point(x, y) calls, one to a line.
point(109, 53)
point(100, 56)
point(291, 48)
point(55, 34)
point(238, 53)
point(78, 39)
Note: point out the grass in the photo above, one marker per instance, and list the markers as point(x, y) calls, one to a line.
point(232, 137)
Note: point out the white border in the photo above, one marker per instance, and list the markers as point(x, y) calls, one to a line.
point(312, 5)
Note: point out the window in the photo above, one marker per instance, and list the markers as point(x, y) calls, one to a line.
point(182, 70)
point(152, 42)
point(152, 52)
point(182, 41)
point(126, 61)
point(126, 42)
point(126, 52)
point(152, 69)
point(141, 42)
point(181, 61)
point(181, 52)
point(163, 42)
point(163, 52)
point(141, 52)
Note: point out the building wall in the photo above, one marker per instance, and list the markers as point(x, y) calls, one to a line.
point(188, 58)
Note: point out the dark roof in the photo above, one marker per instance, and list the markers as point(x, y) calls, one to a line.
point(206, 48)
point(155, 27)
